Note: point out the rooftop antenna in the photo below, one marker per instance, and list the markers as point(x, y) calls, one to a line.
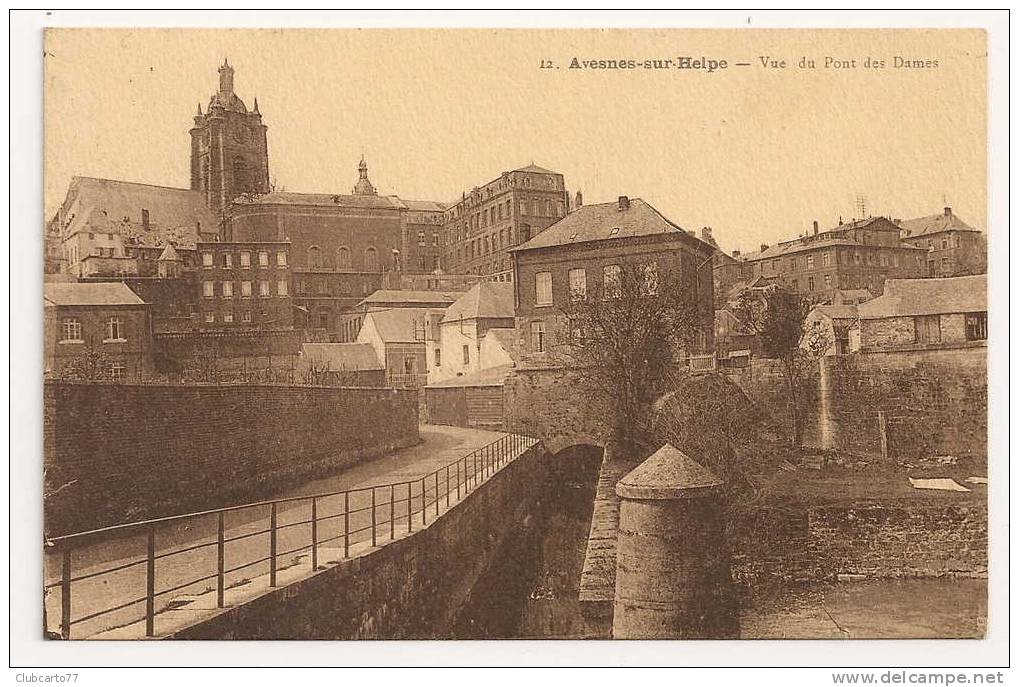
point(861, 205)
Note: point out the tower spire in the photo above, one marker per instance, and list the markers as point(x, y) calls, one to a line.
point(256, 106)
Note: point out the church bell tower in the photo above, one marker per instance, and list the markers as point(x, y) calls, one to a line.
point(229, 155)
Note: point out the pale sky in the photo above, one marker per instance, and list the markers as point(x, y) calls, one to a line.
point(755, 153)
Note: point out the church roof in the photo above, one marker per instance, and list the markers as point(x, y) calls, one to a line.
point(535, 169)
point(175, 215)
point(322, 199)
point(228, 101)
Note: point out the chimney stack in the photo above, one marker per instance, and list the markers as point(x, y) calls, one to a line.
point(706, 234)
point(948, 211)
point(624, 203)
point(580, 200)
point(764, 247)
point(815, 227)
point(735, 254)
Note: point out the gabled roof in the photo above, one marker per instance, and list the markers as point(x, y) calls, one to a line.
point(603, 221)
point(399, 325)
point(837, 312)
point(338, 357)
point(411, 297)
point(535, 169)
point(484, 300)
point(933, 224)
point(908, 297)
point(507, 338)
point(111, 206)
point(91, 293)
point(832, 237)
point(425, 205)
point(855, 295)
point(322, 200)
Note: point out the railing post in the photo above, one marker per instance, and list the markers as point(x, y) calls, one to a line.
point(424, 504)
point(392, 512)
point(220, 559)
point(314, 534)
point(373, 517)
point(346, 524)
point(458, 479)
point(410, 509)
point(65, 595)
point(447, 486)
point(272, 545)
point(150, 585)
point(474, 472)
point(436, 493)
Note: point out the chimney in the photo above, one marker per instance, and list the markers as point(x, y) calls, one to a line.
point(706, 234)
point(580, 200)
point(948, 211)
point(735, 254)
point(624, 203)
point(815, 227)
point(764, 247)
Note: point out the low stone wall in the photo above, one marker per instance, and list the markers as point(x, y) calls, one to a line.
point(875, 540)
point(412, 588)
point(116, 453)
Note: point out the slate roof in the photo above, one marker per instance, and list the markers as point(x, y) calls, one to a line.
point(823, 240)
point(484, 300)
point(535, 169)
point(411, 297)
point(425, 205)
point(112, 206)
point(606, 221)
point(492, 376)
point(932, 224)
point(907, 297)
point(322, 199)
point(93, 293)
point(507, 338)
point(341, 356)
point(667, 474)
point(397, 325)
point(838, 312)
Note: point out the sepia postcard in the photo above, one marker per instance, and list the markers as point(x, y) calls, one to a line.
point(496, 333)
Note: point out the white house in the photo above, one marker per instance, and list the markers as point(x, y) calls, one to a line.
point(476, 332)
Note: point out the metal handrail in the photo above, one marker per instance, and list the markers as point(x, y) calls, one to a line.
point(470, 471)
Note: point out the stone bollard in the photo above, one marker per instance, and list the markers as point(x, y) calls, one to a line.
point(672, 575)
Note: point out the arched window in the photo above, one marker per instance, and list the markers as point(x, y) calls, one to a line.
point(240, 173)
point(371, 259)
point(314, 257)
point(343, 258)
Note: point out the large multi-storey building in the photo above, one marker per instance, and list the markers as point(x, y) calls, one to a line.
point(953, 247)
point(860, 254)
point(507, 211)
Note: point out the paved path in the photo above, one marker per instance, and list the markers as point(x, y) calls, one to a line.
point(193, 542)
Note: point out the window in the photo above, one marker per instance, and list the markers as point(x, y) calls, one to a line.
point(145, 219)
point(245, 289)
point(314, 257)
point(856, 258)
point(467, 354)
point(114, 329)
point(650, 271)
point(281, 258)
point(611, 282)
point(810, 262)
point(208, 289)
point(827, 281)
point(810, 283)
point(117, 371)
point(70, 329)
point(246, 316)
point(578, 284)
point(228, 260)
point(263, 258)
point(245, 259)
point(543, 288)
point(927, 329)
point(826, 259)
point(796, 284)
point(438, 357)
point(523, 207)
point(210, 317)
point(976, 326)
point(206, 259)
point(263, 289)
point(228, 316)
point(538, 336)
point(371, 260)
point(281, 288)
point(228, 289)
point(343, 258)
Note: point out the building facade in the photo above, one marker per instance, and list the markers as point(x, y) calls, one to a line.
point(244, 285)
point(953, 247)
point(479, 230)
point(582, 255)
point(464, 329)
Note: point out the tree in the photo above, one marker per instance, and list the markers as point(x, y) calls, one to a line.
point(776, 316)
point(90, 365)
point(627, 336)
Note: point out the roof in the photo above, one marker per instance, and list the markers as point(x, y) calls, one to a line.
point(933, 224)
point(487, 299)
point(907, 297)
point(322, 199)
point(837, 312)
point(667, 474)
point(92, 293)
point(341, 356)
point(852, 295)
point(111, 206)
point(507, 338)
point(830, 237)
point(397, 325)
point(535, 169)
point(411, 296)
point(492, 376)
point(605, 221)
point(424, 205)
